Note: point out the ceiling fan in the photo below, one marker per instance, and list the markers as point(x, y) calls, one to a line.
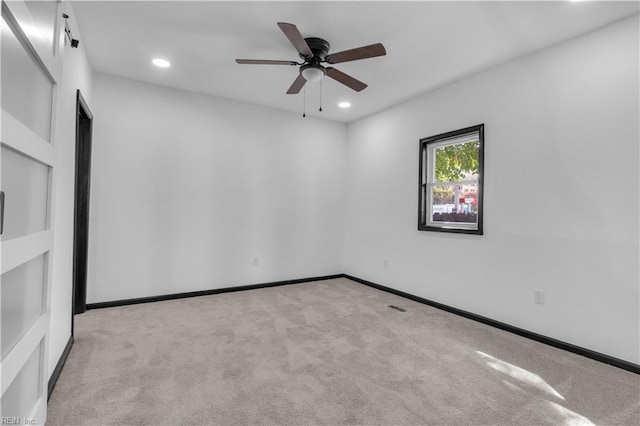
point(314, 52)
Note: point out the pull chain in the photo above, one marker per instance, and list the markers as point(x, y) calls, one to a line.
point(320, 96)
point(304, 102)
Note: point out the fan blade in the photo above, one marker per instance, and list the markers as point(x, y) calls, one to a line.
point(294, 36)
point(264, 62)
point(363, 52)
point(346, 79)
point(297, 85)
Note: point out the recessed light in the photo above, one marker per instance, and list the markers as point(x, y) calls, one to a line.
point(162, 63)
point(344, 104)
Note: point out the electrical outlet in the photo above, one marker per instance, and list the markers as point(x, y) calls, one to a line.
point(385, 264)
point(256, 261)
point(538, 297)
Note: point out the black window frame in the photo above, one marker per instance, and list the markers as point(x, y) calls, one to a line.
point(423, 181)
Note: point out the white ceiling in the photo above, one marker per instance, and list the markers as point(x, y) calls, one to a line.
point(429, 44)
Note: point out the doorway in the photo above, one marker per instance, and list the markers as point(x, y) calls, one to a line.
point(84, 123)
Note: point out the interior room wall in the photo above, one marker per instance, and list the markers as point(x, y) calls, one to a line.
point(561, 194)
point(188, 190)
point(76, 74)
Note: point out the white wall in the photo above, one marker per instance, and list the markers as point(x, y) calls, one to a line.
point(187, 189)
point(76, 74)
point(561, 194)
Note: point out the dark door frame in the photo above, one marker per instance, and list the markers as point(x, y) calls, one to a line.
point(84, 126)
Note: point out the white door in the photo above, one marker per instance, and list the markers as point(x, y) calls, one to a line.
point(32, 38)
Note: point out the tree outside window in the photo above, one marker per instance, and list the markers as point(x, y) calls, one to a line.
point(451, 181)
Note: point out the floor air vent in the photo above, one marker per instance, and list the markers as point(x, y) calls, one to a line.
point(397, 308)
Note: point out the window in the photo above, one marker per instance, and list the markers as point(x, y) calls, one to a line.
point(451, 169)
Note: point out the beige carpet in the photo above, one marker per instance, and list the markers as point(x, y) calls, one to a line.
point(327, 352)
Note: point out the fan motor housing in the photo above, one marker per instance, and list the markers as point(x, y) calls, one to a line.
point(319, 47)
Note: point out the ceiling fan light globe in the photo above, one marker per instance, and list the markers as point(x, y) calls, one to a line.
point(312, 74)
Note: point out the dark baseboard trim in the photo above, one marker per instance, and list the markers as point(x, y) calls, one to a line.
point(616, 362)
point(56, 371)
point(160, 298)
